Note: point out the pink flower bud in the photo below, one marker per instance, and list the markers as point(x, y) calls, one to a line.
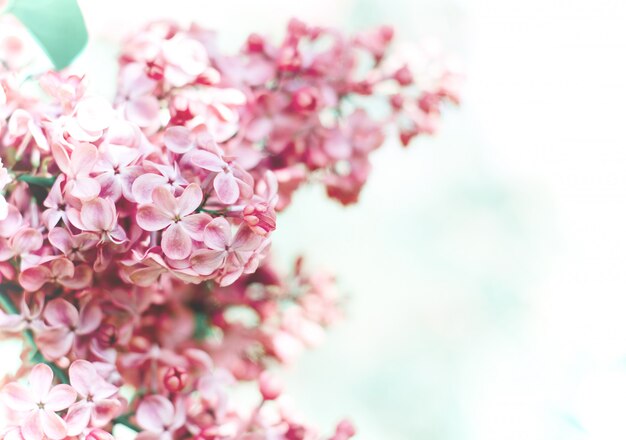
point(404, 76)
point(345, 430)
point(305, 99)
point(396, 101)
point(255, 43)
point(175, 379)
point(260, 217)
point(270, 386)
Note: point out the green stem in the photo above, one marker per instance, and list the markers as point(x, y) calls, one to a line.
point(45, 182)
point(125, 420)
point(36, 357)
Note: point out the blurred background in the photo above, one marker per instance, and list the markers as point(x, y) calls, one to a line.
point(485, 267)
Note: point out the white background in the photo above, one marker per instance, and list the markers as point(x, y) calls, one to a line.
point(485, 267)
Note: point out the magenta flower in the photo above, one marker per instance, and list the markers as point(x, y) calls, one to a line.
point(159, 418)
point(65, 324)
point(98, 405)
point(174, 216)
point(39, 403)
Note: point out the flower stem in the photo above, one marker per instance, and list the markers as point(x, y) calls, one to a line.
point(45, 182)
point(125, 420)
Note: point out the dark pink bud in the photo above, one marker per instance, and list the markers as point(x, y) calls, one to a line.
point(305, 99)
point(175, 379)
point(396, 101)
point(404, 76)
point(429, 102)
point(255, 43)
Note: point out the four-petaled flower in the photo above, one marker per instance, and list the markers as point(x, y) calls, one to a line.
point(175, 216)
point(97, 406)
point(39, 403)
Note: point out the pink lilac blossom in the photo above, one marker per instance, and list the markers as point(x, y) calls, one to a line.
point(135, 235)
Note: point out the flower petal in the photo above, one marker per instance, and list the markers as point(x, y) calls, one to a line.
point(32, 428)
point(155, 412)
point(98, 215)
point(195, 224)
point(104, 411)
point(207, 160)
point(205, 261)
point(40, 380)
point(189, 200)
point(83, 376)
point(178, 139)
point(17, 397)
point(226, 188)
point(85, 188)
point(217, 234)
point(164, 199)
point(144, 185)
point(60, 312)
point(176, 243)
point(53, 425)
point(77, 418)
point(151, 218)
point(89, 318)
point(60, 397)
point(34, 278)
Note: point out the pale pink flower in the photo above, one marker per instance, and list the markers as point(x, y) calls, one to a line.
point(57, 271)
point(229, 181)
point(224, 249)
point(98, 405)
point(77, 169)
point(116, 171)
point(65, 324)
point(31, 306)
point(98, 216)
point(39, 404)
point(164, 175)
point(56, 204)
point(175, 216)
point(159, 417)
point(73, 247)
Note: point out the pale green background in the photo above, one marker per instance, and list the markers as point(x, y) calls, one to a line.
point(485, 267)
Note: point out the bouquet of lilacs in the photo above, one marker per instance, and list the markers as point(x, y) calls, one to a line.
point(135, 234)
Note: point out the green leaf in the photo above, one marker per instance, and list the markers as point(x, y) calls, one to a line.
point(57, 25)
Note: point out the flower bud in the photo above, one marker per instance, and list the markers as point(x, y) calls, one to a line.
point(404, 76)
point(270, 386)
point(345, 430)
point(175, 379)
point(305, 99)
point(261, 218)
